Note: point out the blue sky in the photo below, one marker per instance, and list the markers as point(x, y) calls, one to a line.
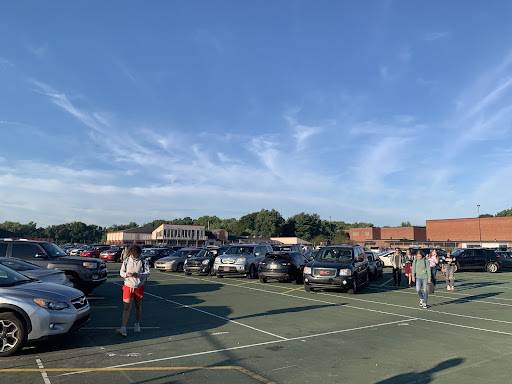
point(376, 111)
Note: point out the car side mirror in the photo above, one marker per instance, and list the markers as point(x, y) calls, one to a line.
point(40, 255)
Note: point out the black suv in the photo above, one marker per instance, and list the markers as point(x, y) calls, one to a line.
point(337, 267)
point(476, 259)
point(202, 263)
point(282, 266)
point(85, 273)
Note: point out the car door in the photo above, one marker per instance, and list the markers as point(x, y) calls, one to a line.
point(479, 259)
point(28, 252)
point(506, 259)
point(465, 259)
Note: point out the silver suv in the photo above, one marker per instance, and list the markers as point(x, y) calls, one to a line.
point(241, 259)
point(31, 310)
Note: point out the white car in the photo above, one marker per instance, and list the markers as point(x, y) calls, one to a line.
point(386, 257)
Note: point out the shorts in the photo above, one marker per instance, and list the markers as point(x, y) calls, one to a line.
point(130, 292)
point(408, 269)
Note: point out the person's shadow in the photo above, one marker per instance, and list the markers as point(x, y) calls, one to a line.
point(422, 377)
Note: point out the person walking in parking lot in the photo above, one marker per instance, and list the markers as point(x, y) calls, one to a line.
point(397, 263)
point(448, 269)
point(421, 275)
point(135, 271)
point(407, 266)
point(433, 261)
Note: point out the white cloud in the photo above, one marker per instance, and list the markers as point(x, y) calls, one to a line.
point(432, 36)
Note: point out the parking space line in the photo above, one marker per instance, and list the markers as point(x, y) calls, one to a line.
point(213, 315)
point(85, 370)
point(372, 302)
point(384, 283)
point(43, 372)
point(248, 282)
point(291, 290)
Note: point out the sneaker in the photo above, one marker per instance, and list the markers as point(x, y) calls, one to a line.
point(448, 288)
point(421, 303)
point(425, 306)
point(122, 331)
point(136, 328)
point(453, 289)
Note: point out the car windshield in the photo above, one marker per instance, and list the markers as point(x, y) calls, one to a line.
point(208, 252)
point(150, 252)
point(53, 250)
point(278, 256)
point(19, 265)
point(240, 251)
point(457, 252)
point(8, 277)
point(334, 254)
point(114, 249)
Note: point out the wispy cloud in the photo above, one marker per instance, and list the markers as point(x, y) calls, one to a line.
point(432, 36)
point(40, 52)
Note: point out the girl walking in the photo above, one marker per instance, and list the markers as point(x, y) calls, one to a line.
point(433, 261)
point(408, 266)
point(135, 271)
point(448, 269)
point(421, 275)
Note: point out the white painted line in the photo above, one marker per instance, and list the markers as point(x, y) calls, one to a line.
point(244, 346)
point(212, 314)
point(435, 295)
point(362, 300)
point(43, 373)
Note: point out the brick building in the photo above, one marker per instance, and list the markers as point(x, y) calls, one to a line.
point(385, 237)
point(485, 231)
point(140, 235)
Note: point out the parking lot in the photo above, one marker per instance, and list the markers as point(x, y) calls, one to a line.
point(197, 329)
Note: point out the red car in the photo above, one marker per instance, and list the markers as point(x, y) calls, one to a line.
point(94, 251)
point(112, 254)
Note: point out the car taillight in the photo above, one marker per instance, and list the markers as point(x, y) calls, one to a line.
point(287, 263)
point(262, 263)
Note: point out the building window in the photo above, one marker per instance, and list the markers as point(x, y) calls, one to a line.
point(367, 233)
point(356, 233)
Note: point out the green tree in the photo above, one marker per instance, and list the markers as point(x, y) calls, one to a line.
point(211, 222)
point(268, 223)
point(305, 226)
point(505, 212)
point(245, 226)
point(486, 215)
point(406, 224)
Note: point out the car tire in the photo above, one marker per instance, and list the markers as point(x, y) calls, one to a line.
point(212, 272)
point(13, 334)
point(492, 267)
point(179, 268)
point(220, 276)
point(353, 290)
point(263, 280)
point(307, 288)
point(456, 268)
point(188, 273)
point(252, 273)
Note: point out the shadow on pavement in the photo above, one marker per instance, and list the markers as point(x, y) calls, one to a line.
point(424, 376)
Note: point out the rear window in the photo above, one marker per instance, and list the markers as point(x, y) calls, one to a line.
point(278, 256)
point(240, 250)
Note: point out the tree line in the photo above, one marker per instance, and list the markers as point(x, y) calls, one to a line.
point(265, 223)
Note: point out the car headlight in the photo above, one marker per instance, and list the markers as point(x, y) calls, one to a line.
point(88, 264)
point(241, 260)
point(345, 272)
point(206, 261)
point(307, 270)
point(51, 304)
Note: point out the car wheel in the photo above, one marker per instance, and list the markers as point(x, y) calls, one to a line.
point(307, 288)
point(252, 273)
point(180, 267)
point(212, 272)
point(188, 273)
point(456, 268)
point(353, 290)
point(492, 267)
point(263, 280)
point(12, 334)
point(220, 276)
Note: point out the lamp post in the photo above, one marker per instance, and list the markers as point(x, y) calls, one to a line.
point(479, 228)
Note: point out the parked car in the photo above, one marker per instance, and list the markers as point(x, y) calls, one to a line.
point(342, 267)
point(376, 265)
point(84, 273)
point(282, 266)
point(287, 247)
point(386, 257)
point(241, 259)
point(94, 251)
point(176, 261)
point(112, 254)
point(31, 310)
point(36, 272)
point(476, 259)
point(506, 259)
point(202, 263)
point(154, 254)
point(78, 250)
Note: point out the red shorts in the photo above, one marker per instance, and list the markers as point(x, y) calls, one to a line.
point(408, 269)
point(129, 292)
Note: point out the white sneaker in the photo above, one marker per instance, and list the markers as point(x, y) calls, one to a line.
point(424, 306)
point(421, 302)
point(136, 328)
point(448, 288)
point(122, 331)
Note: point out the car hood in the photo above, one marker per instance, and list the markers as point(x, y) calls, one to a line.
point(170, 258)
point(329, 264)
point(43, 290)
point(200, 258)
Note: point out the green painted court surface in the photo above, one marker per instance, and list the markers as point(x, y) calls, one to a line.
point(235, 330)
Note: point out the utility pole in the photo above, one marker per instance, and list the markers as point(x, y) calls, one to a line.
point(479, 228)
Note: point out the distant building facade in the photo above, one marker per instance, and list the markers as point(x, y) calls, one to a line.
point(139, 235)
point(179, 234)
